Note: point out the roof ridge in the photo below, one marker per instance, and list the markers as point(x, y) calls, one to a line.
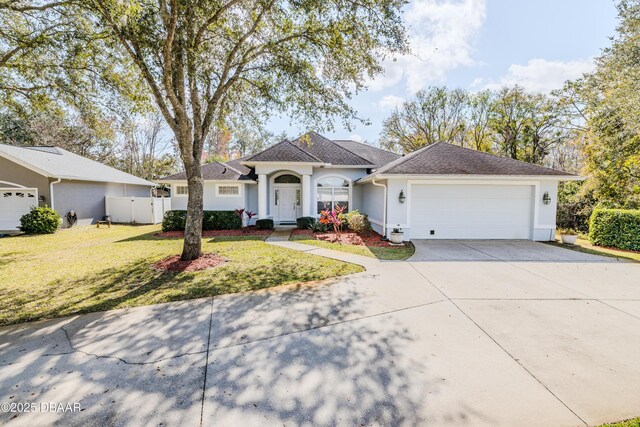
point(303, 150)
point(334, 143)
point(367, 145)
point(402, 159)
point(226, 165)
point(499, 157)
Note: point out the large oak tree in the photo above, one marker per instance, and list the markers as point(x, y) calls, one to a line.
point(205, 62)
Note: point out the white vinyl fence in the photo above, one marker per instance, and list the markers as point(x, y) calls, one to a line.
point(139, 210)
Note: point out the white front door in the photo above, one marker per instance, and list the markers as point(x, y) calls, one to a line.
point(15, 202)
point(286, 203)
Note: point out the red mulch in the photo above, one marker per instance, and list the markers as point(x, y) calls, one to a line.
point(173, 263)
point(346, 238)
point(247, 231)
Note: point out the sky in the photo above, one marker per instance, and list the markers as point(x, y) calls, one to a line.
point(480, 44)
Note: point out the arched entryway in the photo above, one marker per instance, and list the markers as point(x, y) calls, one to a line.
point(286, 197)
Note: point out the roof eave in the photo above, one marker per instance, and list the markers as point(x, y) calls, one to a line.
point(468, 177)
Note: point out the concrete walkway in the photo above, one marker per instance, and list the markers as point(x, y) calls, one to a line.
point(404, 343)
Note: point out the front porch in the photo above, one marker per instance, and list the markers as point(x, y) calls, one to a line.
point(284, 196)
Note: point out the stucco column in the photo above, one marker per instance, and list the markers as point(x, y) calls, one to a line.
point(262, 196)
point(306, 195)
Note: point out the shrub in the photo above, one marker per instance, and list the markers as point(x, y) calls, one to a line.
point(318, 227)
point(305, 222)
point(40, 220)
point(264, 224)
point(212, 220)
point(358, 222)
point(574, 215)
point(617, 228)
point(221, 220)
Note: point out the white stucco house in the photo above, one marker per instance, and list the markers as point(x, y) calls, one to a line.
point(441, 191)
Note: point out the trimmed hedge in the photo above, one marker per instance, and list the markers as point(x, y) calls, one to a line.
point(212, 220)
point(616, 228)
point(264, 224)
point(305, 222)
point(42, 220)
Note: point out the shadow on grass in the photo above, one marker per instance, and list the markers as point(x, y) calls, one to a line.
point(155, 236)
point(135, 284)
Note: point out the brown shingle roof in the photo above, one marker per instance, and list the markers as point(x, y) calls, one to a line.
point(376, 156)
point(329, 151)
point(447, 159)
point(217, 171)
point(285, 151)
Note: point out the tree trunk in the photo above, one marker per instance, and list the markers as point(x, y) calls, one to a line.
point(192, 248)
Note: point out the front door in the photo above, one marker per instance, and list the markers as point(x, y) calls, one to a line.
point(286, 203)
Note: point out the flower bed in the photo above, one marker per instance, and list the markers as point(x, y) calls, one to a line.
point(173, 263)
point(346, 238)
point(247, 231)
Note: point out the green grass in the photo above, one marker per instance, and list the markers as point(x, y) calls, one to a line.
point(86, 269)
point(635, 422)
point(397, 253)
point(583, 245)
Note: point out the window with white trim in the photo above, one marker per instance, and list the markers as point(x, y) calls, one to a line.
point(332, 192)
point(228, 190)
point(181, 190)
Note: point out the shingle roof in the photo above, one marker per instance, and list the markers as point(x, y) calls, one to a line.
point(377, 156)
point(447, 159)
point(284, 151)
point(217, 171)
point(329, 151)
point(56, 162)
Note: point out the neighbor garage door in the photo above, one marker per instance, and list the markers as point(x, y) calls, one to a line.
point(15, 202)
point(471, 211)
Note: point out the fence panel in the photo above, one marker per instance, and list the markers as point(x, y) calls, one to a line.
point(140, 210)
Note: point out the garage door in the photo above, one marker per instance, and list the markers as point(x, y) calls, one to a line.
point(15, 202)
point(471, 211)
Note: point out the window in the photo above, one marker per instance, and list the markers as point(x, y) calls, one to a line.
point(287, 179)
point(228, 190)
point(333, 192)
point(182, 190)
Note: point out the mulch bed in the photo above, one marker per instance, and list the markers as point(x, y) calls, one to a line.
point(346, 238)
point(247, 231)
point(173, 263)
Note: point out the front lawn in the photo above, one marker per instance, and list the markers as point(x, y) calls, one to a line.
point(86, 269)
point(583, 245)
point(389, 253)
point(635, 422)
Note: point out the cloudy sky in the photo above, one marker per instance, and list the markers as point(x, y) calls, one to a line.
point(478, 44)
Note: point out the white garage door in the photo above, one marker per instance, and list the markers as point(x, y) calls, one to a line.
point(15, 202)
point(471, 211)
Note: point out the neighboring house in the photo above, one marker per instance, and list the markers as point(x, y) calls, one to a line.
point(438, 192)
point(51, 176)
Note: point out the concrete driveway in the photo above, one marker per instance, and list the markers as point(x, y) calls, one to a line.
point(466, 333)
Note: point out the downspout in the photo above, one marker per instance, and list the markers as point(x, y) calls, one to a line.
point(384, 210)
point(51, 191)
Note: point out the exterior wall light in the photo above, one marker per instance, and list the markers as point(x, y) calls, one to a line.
point(401, 197)
point(546, 199)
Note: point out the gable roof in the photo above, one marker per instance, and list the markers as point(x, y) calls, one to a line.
point(446, 159)
point(284, 151)
point(312, 147)
point(329, 151)
point(375, 155)
point(217, 171)
point(55, 162)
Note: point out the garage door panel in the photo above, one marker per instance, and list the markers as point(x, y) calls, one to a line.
point(15, 202)
point(471, 211)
